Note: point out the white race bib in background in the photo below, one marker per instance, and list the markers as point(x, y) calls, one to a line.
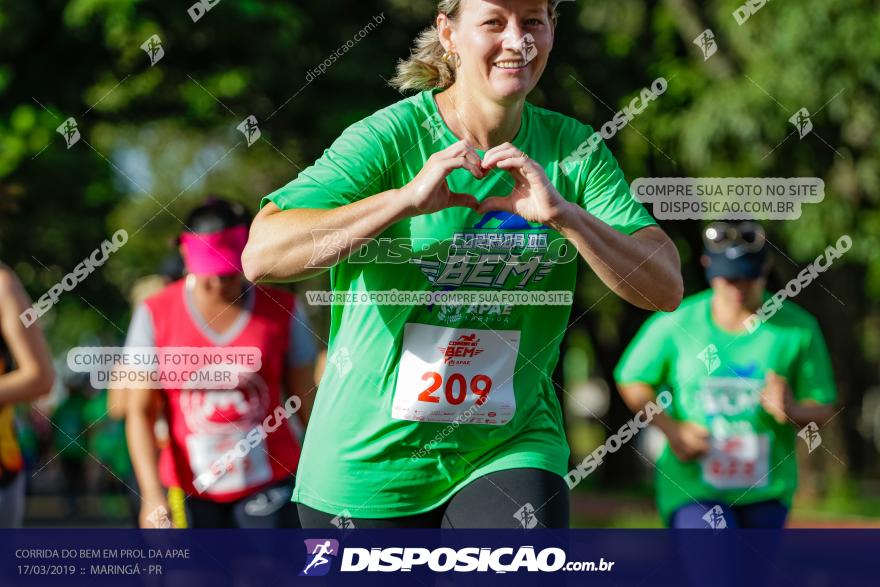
point(738, 462)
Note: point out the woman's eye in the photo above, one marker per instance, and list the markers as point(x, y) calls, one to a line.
point(492, 22)
point(534, 22)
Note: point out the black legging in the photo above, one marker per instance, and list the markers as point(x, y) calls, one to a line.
point(268, 508)
point(516, 498)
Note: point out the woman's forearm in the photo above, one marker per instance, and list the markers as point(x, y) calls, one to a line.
point(116, 403)
point(295, 244)
point(142, 448)
point(23, 385)
point(35, 373)
point(644, 268)
point(636, 396)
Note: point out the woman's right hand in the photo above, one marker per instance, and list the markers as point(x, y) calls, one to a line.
point(688, 441)
point(428, 191)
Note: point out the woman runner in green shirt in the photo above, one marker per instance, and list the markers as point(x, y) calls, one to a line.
point(440, 415)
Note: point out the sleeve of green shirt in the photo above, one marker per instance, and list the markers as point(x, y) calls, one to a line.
point(606, 194)
point(649, 356)
point(814, 379)
point(353, 168)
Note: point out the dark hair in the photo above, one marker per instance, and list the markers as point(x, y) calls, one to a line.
point(217, 214)
point(172, 267)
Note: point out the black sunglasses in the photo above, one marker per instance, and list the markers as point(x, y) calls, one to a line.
point(720, 236)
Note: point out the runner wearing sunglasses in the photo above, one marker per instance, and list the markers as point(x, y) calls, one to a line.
point(739, 397)
point(742, 237)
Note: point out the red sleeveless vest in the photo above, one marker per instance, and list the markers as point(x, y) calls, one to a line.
point(205, 425)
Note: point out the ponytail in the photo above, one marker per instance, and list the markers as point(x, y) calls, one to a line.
point(426, 69)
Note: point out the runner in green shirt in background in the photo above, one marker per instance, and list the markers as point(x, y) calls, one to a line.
point(742, 391)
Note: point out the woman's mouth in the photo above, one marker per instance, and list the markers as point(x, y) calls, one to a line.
point(511, 64)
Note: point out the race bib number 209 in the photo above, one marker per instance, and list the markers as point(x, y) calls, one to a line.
point(456, 374)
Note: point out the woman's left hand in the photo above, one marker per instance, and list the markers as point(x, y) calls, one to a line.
point(533, 197)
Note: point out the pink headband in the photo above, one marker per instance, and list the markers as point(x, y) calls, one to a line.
point(214, 253)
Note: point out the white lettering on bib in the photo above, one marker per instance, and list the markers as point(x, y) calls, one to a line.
point(738, 457)
point(460, 375)
point(206, 452)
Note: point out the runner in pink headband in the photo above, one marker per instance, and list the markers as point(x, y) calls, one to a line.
point(215, 312)
point(214, 253)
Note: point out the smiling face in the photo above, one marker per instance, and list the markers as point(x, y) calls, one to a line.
point(503, 45)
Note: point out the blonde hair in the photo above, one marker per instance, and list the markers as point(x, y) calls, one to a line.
point(425, 69)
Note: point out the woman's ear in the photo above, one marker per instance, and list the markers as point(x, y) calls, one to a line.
point(704, 261)
point(444, 31)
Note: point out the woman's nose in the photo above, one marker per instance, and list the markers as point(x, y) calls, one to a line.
point(513, 38)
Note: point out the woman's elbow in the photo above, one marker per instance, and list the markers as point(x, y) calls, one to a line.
point(42, 382)
point(665, 295)
point(663, 272)
point(672, 294)
point(252, 263)
point(256, 261)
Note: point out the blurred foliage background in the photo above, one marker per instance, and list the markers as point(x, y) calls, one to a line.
point(156, 139)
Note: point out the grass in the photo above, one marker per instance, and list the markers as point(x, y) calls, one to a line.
point(844, 505)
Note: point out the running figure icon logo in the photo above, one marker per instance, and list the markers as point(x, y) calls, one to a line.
point(434, 125)
point(318, 556)
point(527, 48)
point(526, 516)
point(70, 131)
point(343, 520)
point(250, 129)
point(706, 42)
point(153, 48)
point(801, 121)
point(341, 359)
point(715, 518)
point(709, 356)
point(158, 518)
point(810, 434)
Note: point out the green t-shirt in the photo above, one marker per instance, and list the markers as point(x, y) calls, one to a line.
point(398, 425)
point(106, 437)
point(716, 378)
point(69, 424)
